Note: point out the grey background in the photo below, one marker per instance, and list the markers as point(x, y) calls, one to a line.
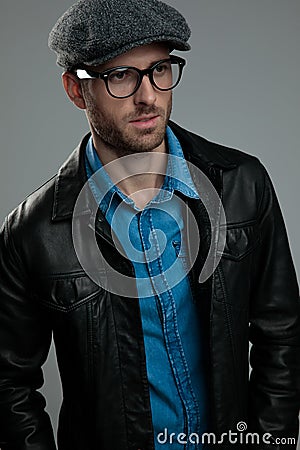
point(240, 88)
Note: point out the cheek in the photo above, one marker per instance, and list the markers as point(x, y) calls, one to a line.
point(99, 97)
point(110, 107)
point(166, 100)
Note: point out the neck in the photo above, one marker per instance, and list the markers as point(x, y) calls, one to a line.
point(137, 175)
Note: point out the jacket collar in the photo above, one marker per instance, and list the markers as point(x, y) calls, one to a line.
point(71, 176)
point(198, 149)
point(69, 181)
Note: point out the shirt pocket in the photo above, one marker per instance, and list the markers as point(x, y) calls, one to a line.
point(67, 292)
point(181, 252)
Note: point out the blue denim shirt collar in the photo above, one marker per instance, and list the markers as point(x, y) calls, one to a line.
point(177, 177)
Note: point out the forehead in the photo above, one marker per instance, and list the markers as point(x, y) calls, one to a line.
point(140, 57)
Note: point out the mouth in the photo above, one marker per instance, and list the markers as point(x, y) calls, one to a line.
point(145, 121)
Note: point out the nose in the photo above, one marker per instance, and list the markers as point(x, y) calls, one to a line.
point(146, 93)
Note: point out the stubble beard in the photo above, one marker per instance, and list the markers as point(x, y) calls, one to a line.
point(123, 141)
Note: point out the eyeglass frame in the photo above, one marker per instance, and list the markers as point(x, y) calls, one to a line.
point(105, 74)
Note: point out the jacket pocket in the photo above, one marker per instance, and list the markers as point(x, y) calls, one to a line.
point(241, 240)
point(66, 292)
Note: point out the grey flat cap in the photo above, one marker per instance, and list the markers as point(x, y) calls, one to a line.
point(95, 31)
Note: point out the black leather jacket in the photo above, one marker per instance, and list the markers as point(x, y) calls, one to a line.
point(253, 295)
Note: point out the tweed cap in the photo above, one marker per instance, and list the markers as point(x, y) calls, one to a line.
point(95, 31)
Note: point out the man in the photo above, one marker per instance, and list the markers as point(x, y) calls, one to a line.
point(125, 256)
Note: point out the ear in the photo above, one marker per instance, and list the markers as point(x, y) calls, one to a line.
point(73, 89)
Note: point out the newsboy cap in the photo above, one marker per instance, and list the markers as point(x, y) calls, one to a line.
point(95, 31)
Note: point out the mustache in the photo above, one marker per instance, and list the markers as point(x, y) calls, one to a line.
point(144, 110)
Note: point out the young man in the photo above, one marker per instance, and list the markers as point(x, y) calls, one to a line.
point(147, 257)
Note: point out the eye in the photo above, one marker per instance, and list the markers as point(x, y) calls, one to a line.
point(162, 68)
point(120, 75)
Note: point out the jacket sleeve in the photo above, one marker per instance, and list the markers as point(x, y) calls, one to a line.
point(274, 394)
point(25, 339)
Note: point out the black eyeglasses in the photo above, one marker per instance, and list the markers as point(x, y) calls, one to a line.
point(124, 81)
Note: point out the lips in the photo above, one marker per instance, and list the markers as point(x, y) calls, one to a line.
point(145, 121)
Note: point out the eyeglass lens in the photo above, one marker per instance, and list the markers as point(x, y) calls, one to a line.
point(122, 82)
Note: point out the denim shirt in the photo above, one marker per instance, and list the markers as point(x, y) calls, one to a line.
point(153, 239)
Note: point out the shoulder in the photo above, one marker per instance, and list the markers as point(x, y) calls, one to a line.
point(211, 153)
point(35, 209)
point(244, 177)
point(40, 207)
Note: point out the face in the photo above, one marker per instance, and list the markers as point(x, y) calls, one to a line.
point(134, 124)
